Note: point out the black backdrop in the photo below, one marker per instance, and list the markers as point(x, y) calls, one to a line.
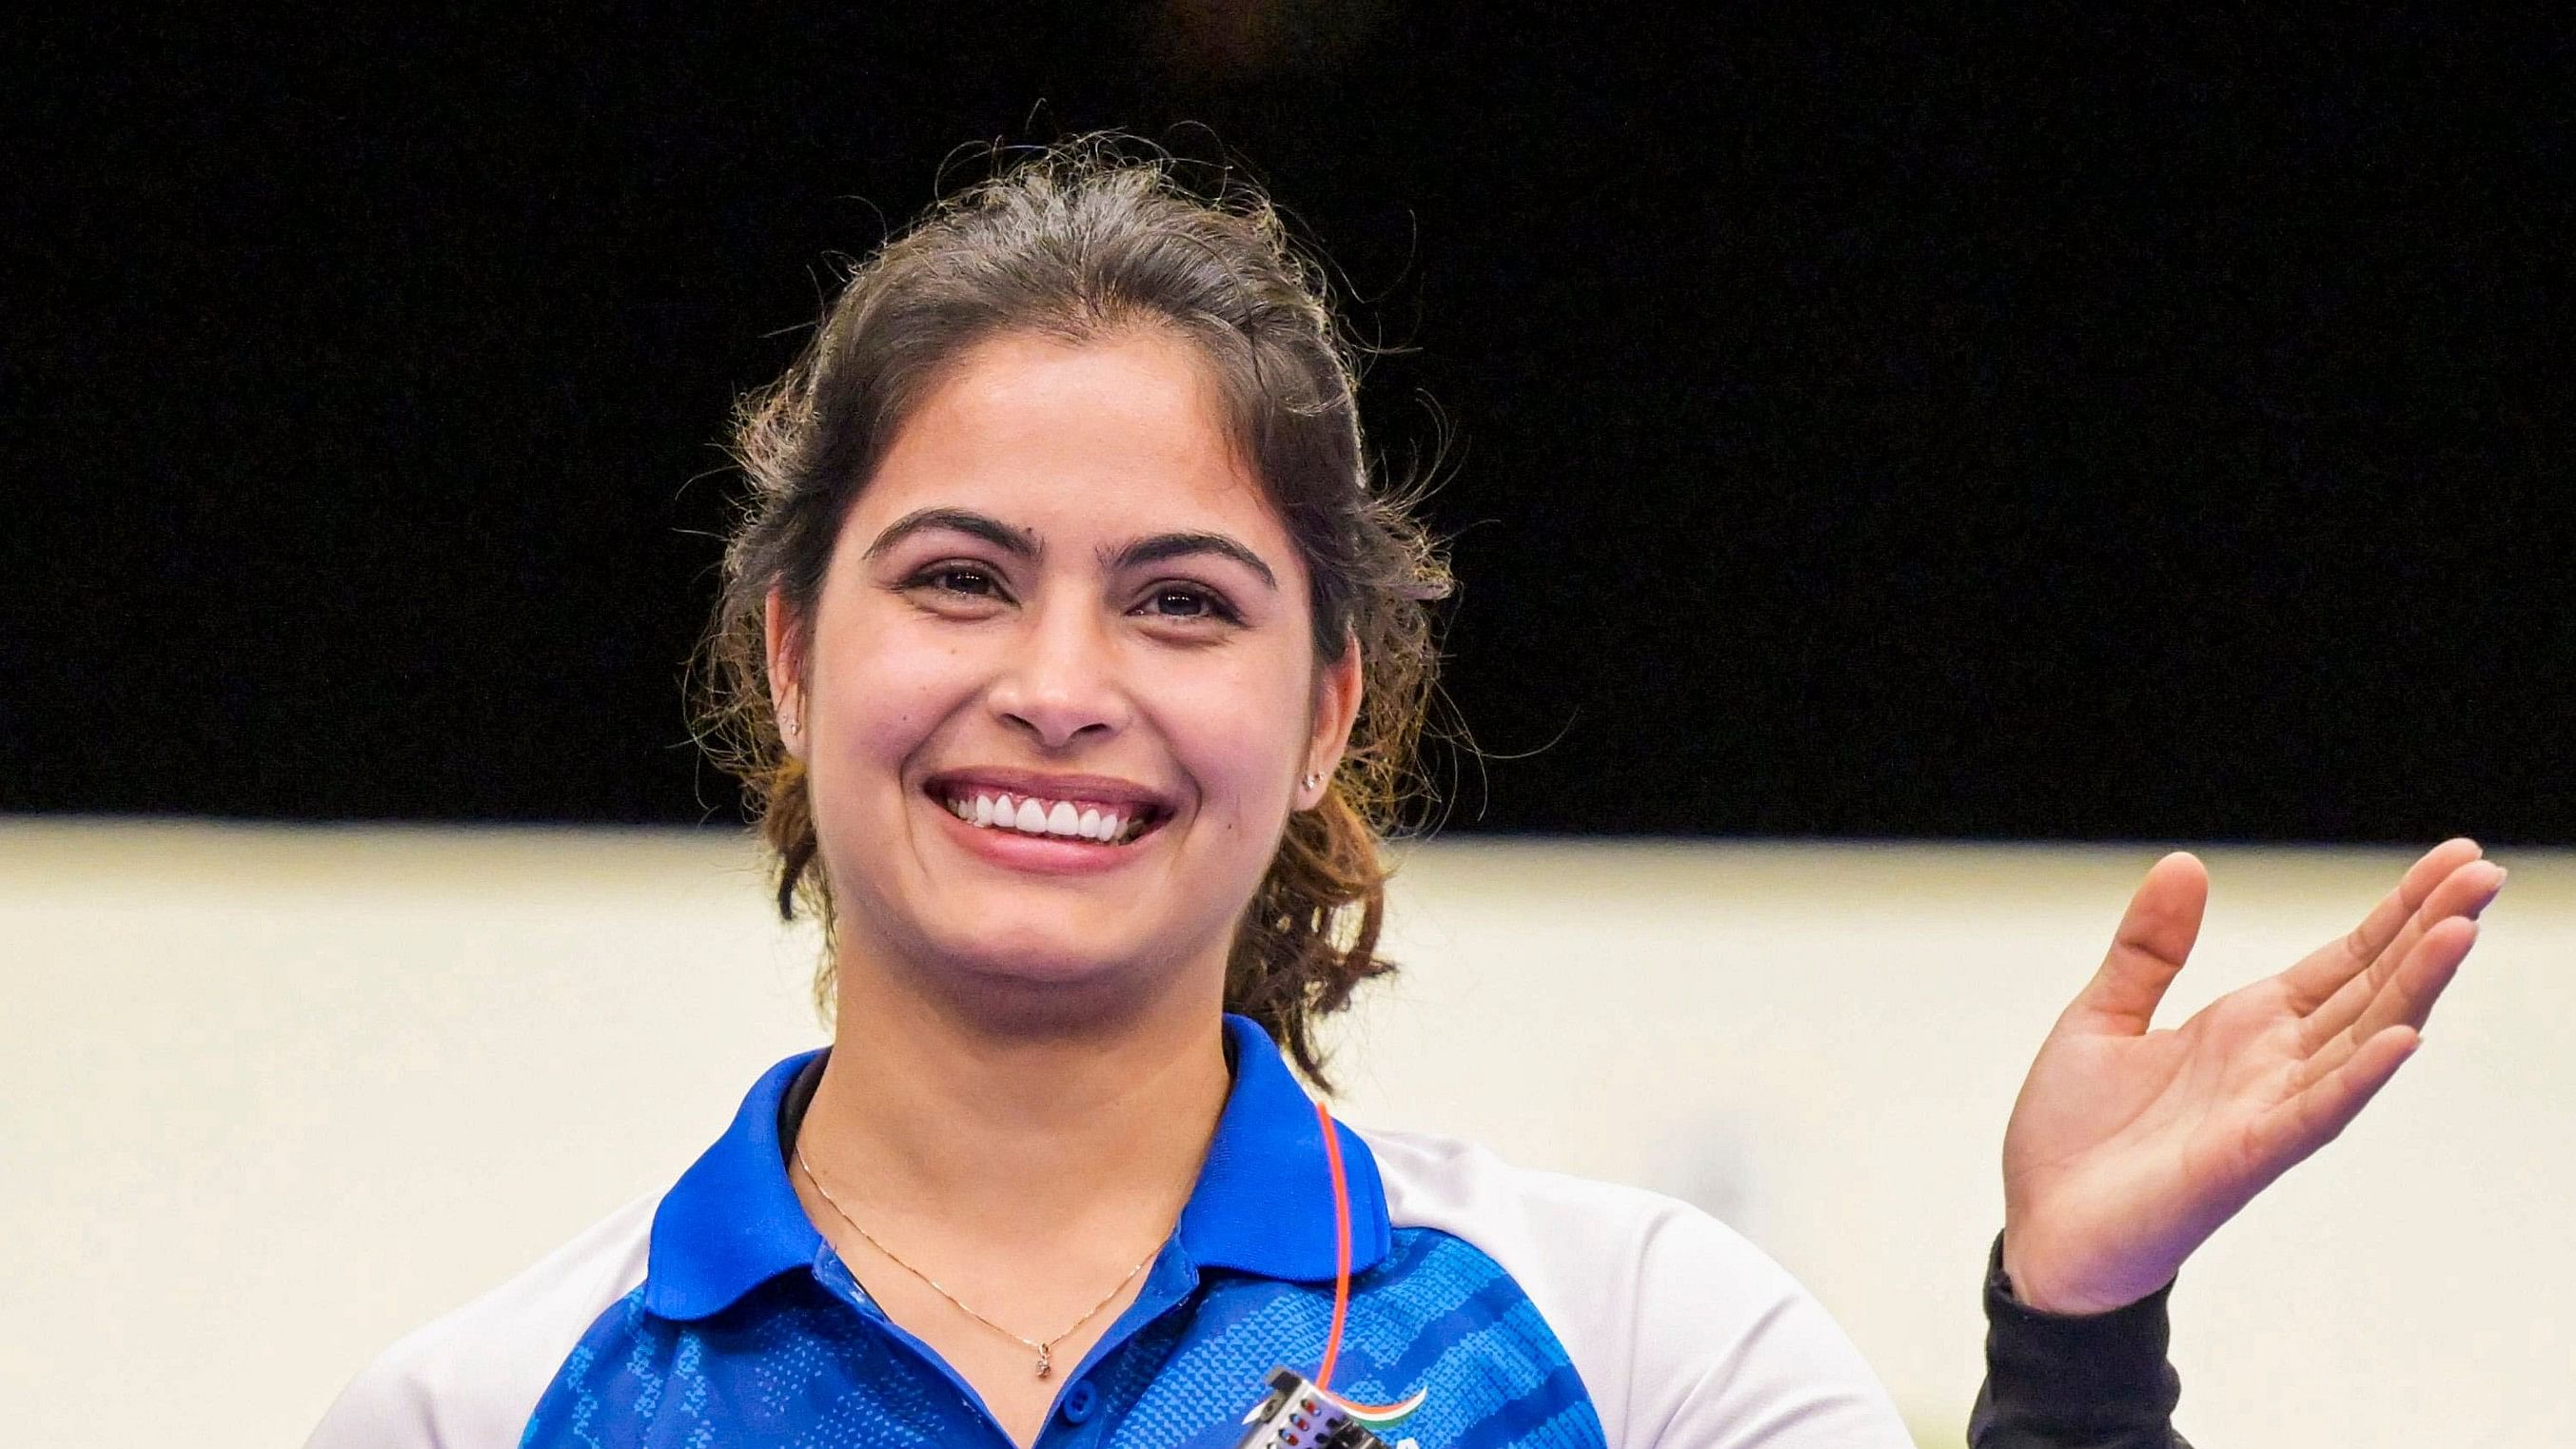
point(2143, 428)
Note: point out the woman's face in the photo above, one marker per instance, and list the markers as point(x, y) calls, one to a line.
point(1061, 684)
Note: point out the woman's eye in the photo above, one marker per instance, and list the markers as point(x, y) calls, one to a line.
point(958, 579)
point(1177, 601)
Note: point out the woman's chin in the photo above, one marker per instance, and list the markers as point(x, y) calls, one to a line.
point(1043, 962)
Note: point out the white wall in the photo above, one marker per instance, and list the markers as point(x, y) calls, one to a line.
point(270, 1097)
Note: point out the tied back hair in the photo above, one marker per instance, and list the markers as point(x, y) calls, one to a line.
point(1082, 242)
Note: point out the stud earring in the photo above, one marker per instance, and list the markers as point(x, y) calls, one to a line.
point(1311, 780)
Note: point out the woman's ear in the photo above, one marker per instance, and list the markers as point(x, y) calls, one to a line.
point(784, 656)
point(1337, 707)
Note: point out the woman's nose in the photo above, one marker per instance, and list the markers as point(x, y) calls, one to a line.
point(1062, 682)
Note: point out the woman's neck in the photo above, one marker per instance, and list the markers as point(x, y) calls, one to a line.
point(927, 1111)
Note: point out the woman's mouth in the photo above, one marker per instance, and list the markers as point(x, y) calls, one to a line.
point(1105, 822)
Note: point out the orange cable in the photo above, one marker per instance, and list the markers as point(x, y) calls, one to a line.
point(1342, 1282)
point(1341, 1248)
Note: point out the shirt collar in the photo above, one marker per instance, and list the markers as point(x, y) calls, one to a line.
point(732, 1221)
point(1264, 1200)
point(1263, 1203)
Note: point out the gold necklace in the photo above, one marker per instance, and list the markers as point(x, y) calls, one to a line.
point(1046, 1350)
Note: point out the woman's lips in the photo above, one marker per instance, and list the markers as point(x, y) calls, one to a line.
point(1066, 815)
point(1040, 854)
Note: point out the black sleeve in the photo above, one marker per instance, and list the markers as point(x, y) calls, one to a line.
point(2086, 1381)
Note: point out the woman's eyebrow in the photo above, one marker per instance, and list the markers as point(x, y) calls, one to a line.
point(1024, 543)
point(1018, 541)
point(1163, 546)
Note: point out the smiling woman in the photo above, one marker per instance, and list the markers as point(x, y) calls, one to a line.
point(1091, 336)
point(1074, 662)
point(1065, 591)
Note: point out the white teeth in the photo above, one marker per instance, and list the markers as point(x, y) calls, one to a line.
point(1062, 818)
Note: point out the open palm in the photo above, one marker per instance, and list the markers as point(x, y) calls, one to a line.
point(2128, 1147)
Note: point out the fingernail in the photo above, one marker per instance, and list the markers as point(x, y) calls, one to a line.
point(2481, 907)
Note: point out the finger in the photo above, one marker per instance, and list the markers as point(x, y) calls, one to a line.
point(2463, 893)
point(2407, 1000)
point(2156, 933)
point(2285, 1136)
point(2316, 979)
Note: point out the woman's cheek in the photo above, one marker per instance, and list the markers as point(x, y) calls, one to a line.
point(897, 697)
point(1238, 734)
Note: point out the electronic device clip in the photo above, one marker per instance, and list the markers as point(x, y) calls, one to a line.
point(1295, 1414)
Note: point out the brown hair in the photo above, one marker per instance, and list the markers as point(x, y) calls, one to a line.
point(1077, 242)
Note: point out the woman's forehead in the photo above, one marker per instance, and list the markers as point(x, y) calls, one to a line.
point(1115, 438)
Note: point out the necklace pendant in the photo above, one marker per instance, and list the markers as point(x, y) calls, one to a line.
point(1045, 1352)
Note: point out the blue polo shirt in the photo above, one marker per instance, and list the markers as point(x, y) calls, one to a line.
point(748, 1329)
point(1528, 1308)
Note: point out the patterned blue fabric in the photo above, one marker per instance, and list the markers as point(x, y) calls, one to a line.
point(748, 1330)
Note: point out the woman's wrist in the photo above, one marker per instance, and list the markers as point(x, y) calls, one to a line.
point(2018, 1285)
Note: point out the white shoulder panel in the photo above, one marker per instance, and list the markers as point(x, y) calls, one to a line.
point(471, 1379)
point(1686, 1335)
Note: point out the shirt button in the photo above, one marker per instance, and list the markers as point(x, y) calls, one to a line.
point(1079, 1402)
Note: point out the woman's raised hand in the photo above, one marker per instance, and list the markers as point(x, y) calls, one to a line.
point(2128, 1147)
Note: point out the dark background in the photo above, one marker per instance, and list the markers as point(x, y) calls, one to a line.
point(2149, 427)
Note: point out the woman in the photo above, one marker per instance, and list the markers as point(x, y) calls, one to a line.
point(1072, 659)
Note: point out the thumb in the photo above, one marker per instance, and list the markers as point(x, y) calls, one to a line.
point(2156, 933)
